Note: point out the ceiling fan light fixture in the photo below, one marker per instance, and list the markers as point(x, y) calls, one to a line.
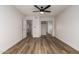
point(41, 12)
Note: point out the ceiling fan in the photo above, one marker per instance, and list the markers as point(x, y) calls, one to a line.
point(42, 9)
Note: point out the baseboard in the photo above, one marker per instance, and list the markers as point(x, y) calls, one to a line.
point(67, 47)
point(14, 45)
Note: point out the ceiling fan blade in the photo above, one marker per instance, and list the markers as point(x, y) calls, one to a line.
point(37, 7)
point(47, 7)
point(47, 11)
point(36, 11)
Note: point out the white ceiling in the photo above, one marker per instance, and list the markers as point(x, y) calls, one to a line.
point(28, 9)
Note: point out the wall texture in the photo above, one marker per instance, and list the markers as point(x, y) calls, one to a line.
point(10, 27)
point(24, 29)
point(36, 28)
point(67, 26)
point(50, 27)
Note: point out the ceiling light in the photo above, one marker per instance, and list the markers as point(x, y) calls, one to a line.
point(41, 12)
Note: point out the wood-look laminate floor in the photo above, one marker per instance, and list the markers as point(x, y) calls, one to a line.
point(42, 45)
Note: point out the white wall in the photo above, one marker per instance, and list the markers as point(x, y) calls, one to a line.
point(10, 27)
point(36, 28)
point(67, 26)
point(50, 27)
point(24, 34)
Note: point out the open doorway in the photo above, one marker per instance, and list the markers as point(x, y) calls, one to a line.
point(44, 27)
point(29, 27)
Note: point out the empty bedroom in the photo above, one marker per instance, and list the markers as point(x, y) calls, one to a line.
point(39, 29)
